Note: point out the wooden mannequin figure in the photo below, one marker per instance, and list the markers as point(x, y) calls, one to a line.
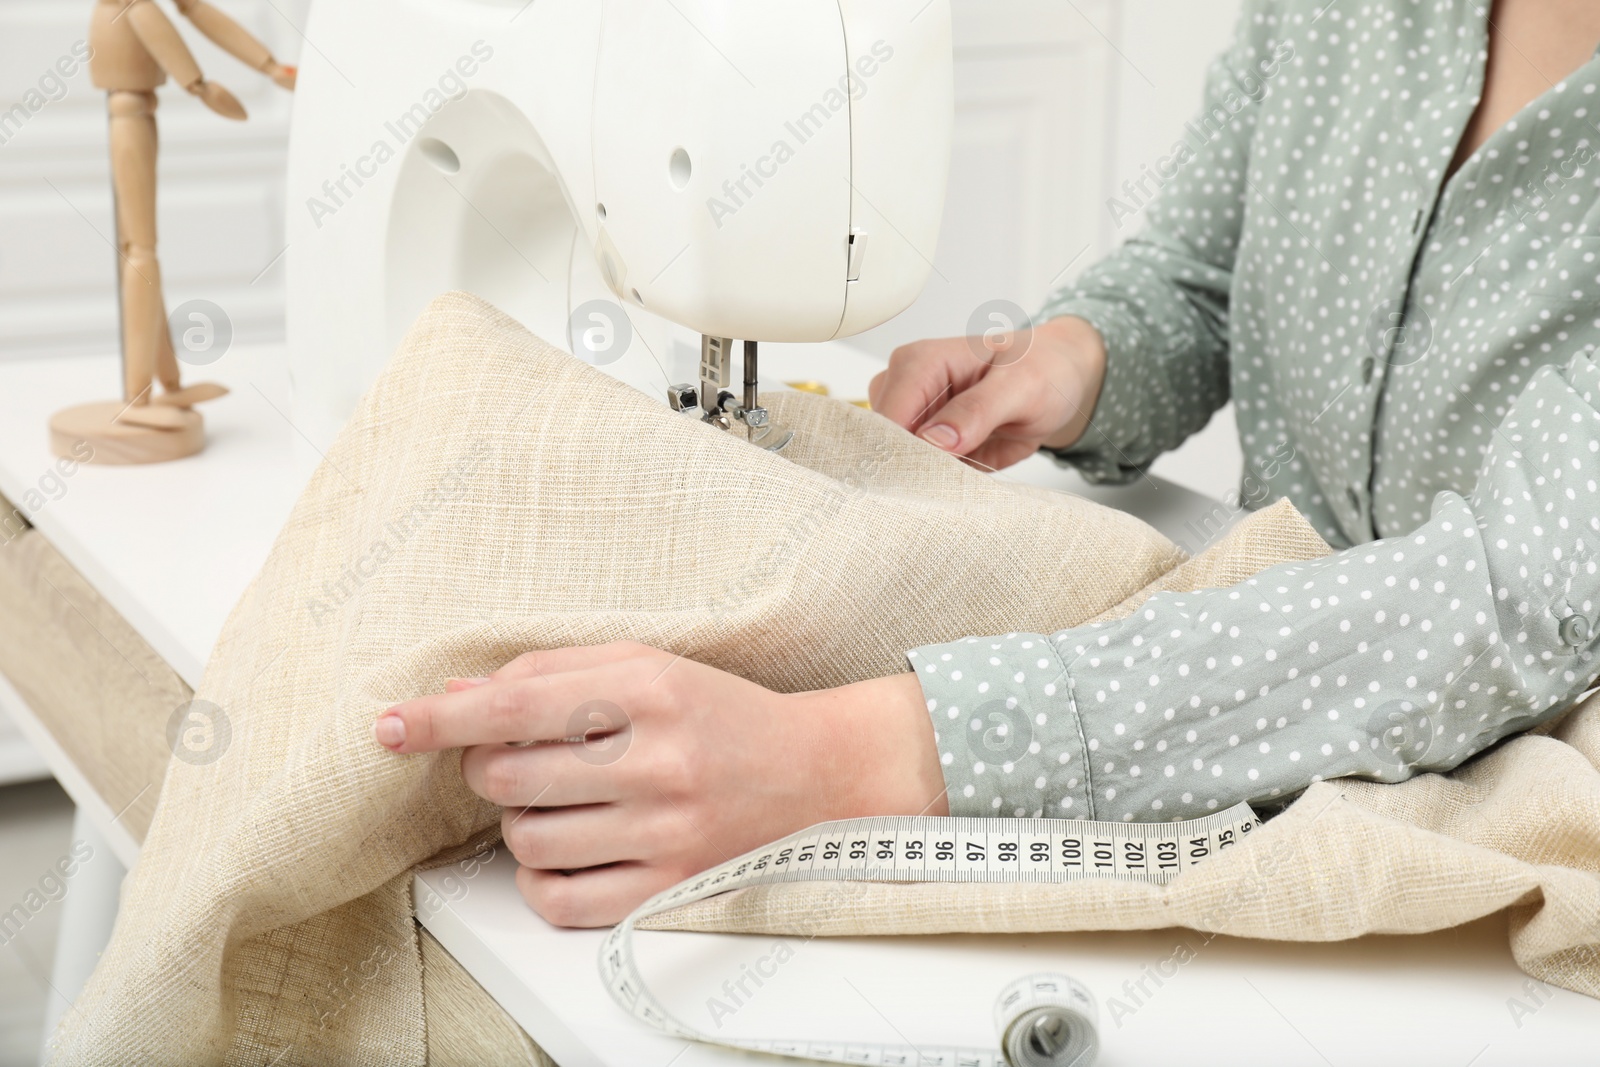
point(135, 48)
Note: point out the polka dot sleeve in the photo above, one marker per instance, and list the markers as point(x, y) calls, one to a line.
point(1399, 656)
point(1010, 739)
point(1161, 301)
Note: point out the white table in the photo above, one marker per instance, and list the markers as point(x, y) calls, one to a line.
point(1377, 1002)
point(171, 547)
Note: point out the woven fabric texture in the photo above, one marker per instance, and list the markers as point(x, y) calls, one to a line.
point(493, 495)
point(110, 701)
point(103, 693)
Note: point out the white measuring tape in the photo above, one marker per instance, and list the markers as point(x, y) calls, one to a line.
point(1044, 1020)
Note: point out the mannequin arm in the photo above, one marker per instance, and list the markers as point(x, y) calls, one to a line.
point(235, 40)
point(160, 38)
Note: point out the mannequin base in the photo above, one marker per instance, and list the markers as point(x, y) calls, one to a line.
point(121, 443)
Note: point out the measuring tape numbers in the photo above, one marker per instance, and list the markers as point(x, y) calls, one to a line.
point(1042, 1020)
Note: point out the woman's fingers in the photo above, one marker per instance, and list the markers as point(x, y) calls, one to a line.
point(597, 897)
point(568, 839)
point(956, 392)
point(545, 775)
point(920, 378)
point(875, 389)
point(971, 417)
point(546, 661)
point(540, 708)
point(998, 453)
point(993, 399)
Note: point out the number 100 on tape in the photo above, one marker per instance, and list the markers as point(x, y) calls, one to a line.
point(920, 849)
point(956, 850)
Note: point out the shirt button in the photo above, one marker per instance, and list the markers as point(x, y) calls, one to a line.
point(1574, 630)
point(1367, 366)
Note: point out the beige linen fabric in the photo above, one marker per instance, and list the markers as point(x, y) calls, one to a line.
point(103, 693)
point(493, 495)
point(107, 698)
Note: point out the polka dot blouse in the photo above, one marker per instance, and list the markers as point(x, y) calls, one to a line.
point(1413, 363)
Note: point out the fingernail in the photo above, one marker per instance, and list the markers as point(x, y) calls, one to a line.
point(940, 434)
point(390, 730)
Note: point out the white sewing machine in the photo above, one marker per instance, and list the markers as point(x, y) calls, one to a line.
point(767, 171)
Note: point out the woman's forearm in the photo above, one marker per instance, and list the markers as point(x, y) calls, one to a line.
point(873, 748)
point(1388, 659)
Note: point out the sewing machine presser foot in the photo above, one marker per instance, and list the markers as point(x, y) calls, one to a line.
point(725, 409)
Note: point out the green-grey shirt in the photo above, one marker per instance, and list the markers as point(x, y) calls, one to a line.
point(1410, 358)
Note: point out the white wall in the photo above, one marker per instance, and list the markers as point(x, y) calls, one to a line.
point(1034, 82)
point(1165, 46)
point(220, 194)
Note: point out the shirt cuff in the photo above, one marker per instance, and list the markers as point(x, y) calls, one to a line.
point(1007, 731)
point(1106, 452)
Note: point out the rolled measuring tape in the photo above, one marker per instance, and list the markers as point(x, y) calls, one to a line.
point(1047, 1020)
point(1043, 1020)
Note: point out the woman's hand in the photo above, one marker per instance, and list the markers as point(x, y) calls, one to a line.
point(995, 399)
point(680, 766)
